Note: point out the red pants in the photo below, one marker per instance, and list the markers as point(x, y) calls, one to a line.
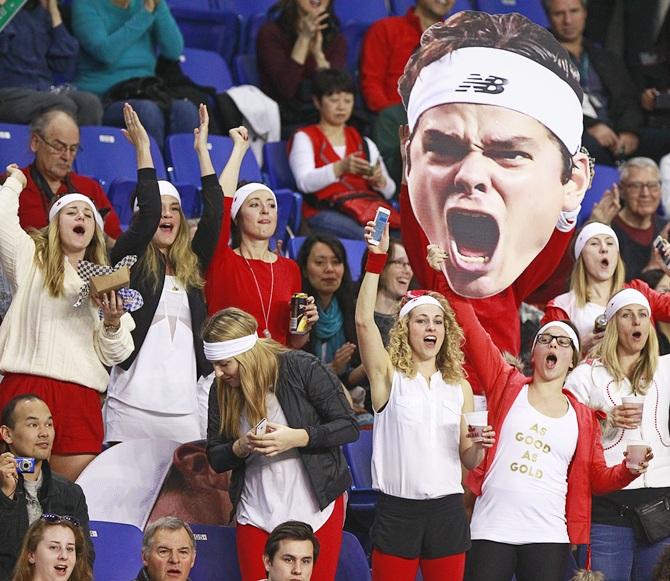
point(385, 567)
point(251, 544)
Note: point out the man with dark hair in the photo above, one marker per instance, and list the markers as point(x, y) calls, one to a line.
point(291, 552)
point(29, 489)
point(613, 115)
point(168, 550)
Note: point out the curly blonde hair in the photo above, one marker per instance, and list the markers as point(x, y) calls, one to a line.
point(449, 359)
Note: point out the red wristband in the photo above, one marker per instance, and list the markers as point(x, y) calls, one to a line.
point(375, 263)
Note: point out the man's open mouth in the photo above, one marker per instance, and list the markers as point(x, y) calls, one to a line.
point(474, 234)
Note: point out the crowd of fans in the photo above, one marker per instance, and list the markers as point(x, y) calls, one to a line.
point(202, 340)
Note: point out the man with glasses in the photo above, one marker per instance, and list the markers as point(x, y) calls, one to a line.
point(28, 488)
point(55, 142)
point(631, 208)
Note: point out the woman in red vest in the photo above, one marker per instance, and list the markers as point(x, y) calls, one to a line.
point(331, 159)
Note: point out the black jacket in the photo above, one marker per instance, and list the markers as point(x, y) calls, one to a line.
point(311, 398)
point(136, 239)
point(624, 108)
point(57, 496)
point(143, 575)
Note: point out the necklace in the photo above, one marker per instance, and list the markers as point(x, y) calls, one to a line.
point(266, 314)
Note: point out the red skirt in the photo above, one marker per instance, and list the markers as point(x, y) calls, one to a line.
point(76, 410)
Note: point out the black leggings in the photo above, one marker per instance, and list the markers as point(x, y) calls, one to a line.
point(491, 561)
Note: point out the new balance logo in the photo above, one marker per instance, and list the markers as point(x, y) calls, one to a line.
point(491, 84)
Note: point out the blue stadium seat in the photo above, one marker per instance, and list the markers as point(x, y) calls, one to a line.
point(246, 8)
point(353, 564)
point(206, 68)
point(603, 179)
point(531, 9)
point(289, 214)
point(107, 155)
point(276, 166)
point(246, 70)
point(356, 10)
point(118, 550)
point(14, 145)
point(354, 32)
point(353, 248)
point(216, 554)
point(400, 7)
point(120, 193)
point(251, 27)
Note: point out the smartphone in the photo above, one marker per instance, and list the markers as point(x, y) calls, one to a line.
point(659, 244)
point(381, 219)
point(261, 426)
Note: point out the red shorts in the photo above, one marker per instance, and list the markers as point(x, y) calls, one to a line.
point(76, 410)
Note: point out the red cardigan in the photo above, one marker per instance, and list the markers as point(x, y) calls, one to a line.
point(587, 474)
point(231, 284)
point(498, 314)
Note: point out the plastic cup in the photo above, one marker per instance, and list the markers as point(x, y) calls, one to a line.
point(638, 402)
point(477, 421)
point(637, 450)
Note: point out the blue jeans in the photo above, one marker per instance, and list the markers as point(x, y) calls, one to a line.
point(336, 224)
point(182, 117)
point(616, 553)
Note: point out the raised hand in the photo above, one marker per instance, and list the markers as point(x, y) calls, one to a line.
point(436, 257)
point(383, 246)
point(240, 137)
point(201, 133)
point(14, 171)
point(608, 206)
point(134, 131)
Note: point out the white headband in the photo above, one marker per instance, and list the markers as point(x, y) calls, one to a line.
point(567, 328)
point(244, 192)
point(226, 349)
point(624, 298)
point(591, 230)
point(417, 302)
point(492, 76)
point(63, 201)
point(166, 189)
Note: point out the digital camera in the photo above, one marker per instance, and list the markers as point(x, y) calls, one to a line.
point(25, 465)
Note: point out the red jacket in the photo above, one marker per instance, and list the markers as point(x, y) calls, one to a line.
point(588, 473)
point(388, 44)
point(324, 154)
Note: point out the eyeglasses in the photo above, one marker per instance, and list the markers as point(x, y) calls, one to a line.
point(546, 338)
point(57, 519)
point(59, 147)
point(400, 263)
point(637, 187)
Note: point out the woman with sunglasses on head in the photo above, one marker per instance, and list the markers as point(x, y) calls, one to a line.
point(277, 419)
point(598, 273)
point(419, 396)
point(49, 347)
point(625, 364)
point(54, 548)
point(534, 486)
point(153, 393)
point(249, 275)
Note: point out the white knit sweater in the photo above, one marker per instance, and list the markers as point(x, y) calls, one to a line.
point(45, 335)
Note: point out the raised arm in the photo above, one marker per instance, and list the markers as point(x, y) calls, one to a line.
point(16, 247)
point(231, 173)
point(374, 356)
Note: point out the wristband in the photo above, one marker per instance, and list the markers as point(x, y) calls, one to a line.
point(375, 263)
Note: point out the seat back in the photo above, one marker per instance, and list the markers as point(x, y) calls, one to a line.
point(14, 145)
point(353, 564)
point(206, 68)
point(603, 179)
point(246, 70)
point(289, 210)
point(276, 166)
point(359, 458)
point(118, 549)
point(209, 29)
point(531, 9)
point(400, 7)
point(355, 10)
point(216, 554)
point(354, 32)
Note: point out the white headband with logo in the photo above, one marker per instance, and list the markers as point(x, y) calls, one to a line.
point(493, 76)
point(561, 325)
point(166, 189)
point(63, 201)
point(417, 302)
point(625, 298)
point(226, 349)
point(591, 230)
point(244, 192)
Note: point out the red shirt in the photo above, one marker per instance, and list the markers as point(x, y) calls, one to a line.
point(230, 283)
point(387, 47)
point(34, 205)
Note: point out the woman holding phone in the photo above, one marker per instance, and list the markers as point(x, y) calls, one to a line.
point(277, 419)
point(419, 396)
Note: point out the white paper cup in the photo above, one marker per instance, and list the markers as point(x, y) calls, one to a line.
point(637, 450)
point(477, 421)
point(637, 401)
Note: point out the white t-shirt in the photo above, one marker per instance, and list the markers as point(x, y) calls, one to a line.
point(416, 439)
point(583, 318)
point(523, 495)
point(278, 489)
